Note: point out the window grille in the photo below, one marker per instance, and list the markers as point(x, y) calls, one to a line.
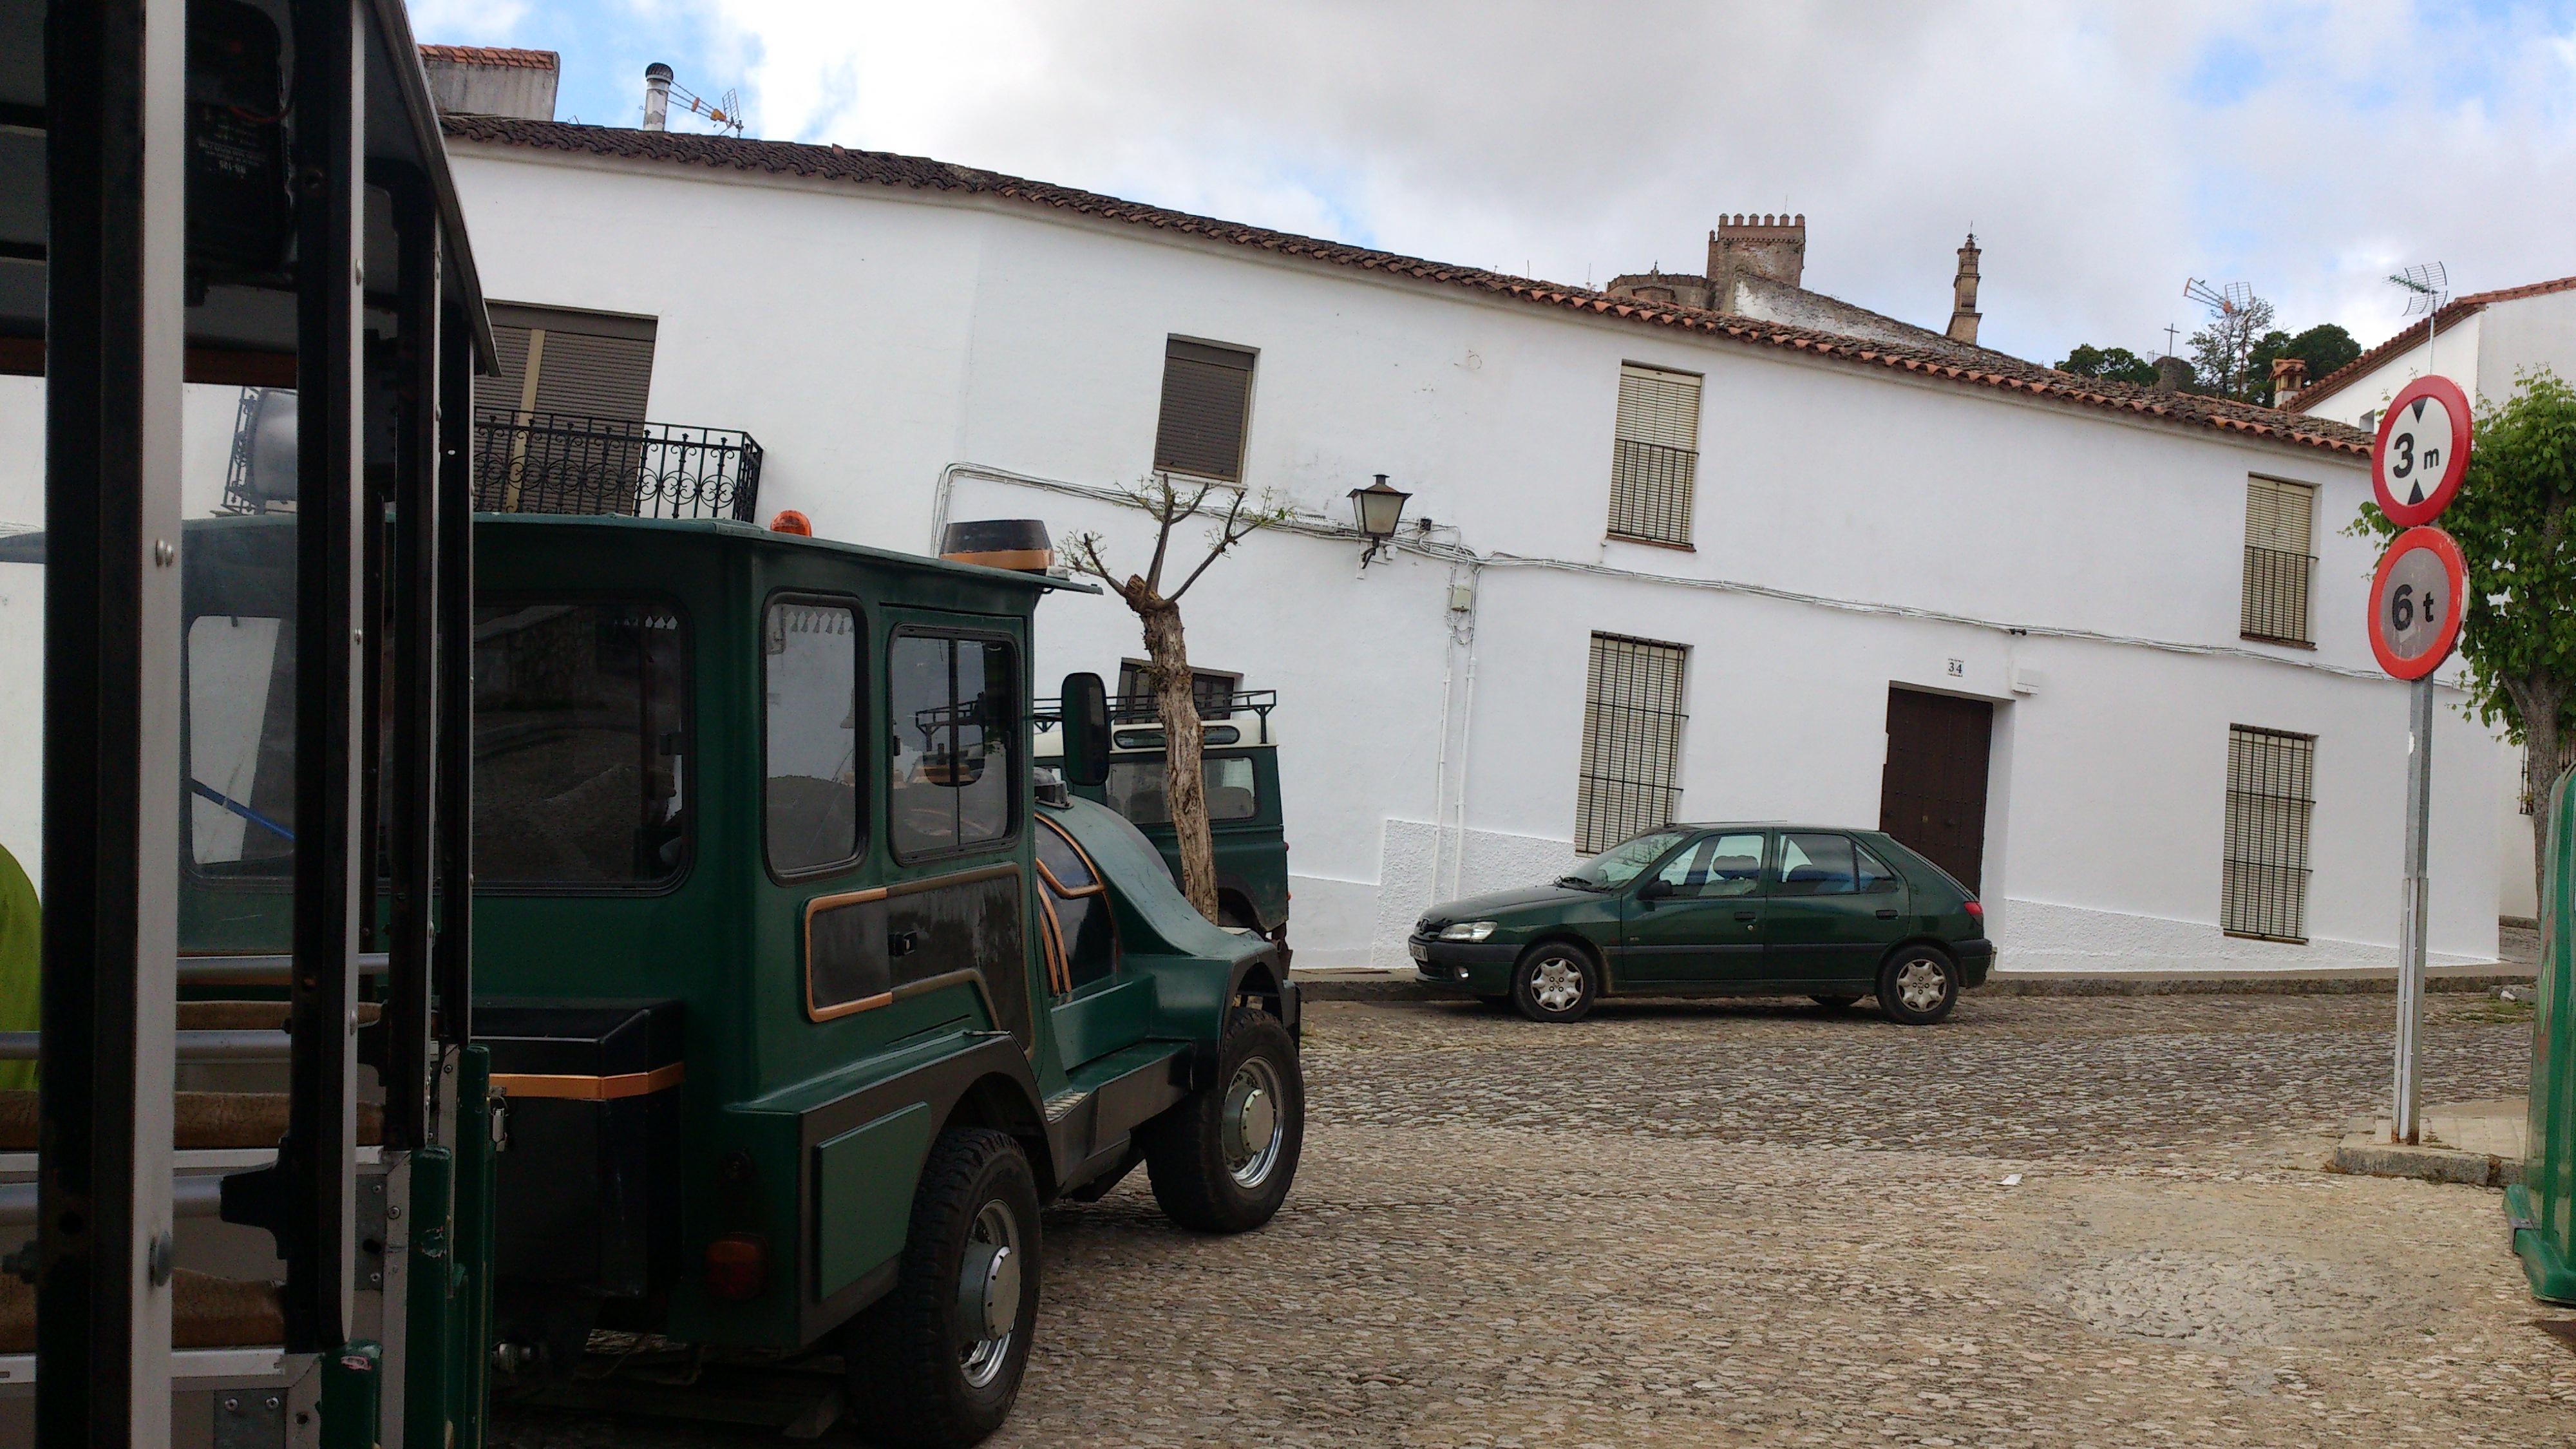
point(2271, 791)
point(1632, 737)
point(2280, 560)
point(1654, 458)
point(1207, 395)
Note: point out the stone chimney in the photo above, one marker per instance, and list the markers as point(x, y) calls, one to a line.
point(2173, 374)
point(2289, 377)
point(1762, 246)
point(1963, 290)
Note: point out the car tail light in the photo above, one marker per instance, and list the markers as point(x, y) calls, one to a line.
point(737, 1267)
point(1976, 910)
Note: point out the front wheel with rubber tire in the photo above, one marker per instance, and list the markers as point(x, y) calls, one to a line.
point(938, 1360)
point(1555, 981)
point(1918, 985)
point(1223, 1159)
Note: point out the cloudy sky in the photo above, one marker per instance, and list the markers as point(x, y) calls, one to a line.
point(2103, 152)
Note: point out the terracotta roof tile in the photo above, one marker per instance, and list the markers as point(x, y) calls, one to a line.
point(2458, 309)
point(492, 55)
point(836, 163)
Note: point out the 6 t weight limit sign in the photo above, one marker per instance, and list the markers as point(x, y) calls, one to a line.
point(2415, 603)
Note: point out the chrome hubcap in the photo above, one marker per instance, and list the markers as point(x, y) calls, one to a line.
point(1253, 1126)
point(1920, 984)
point(988, 1293)
point(1556, 983)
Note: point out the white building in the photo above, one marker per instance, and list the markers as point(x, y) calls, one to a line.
point(2485, 342)
point(1841, 562)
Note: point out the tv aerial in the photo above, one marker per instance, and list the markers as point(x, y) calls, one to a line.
point(2222, 301)
point(2427, 287)
point(726, 111)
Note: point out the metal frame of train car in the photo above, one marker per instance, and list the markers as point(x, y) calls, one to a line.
point(200, 226)
point(801, 983)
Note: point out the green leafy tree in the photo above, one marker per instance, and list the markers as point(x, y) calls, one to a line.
point(2515, 521)
point(2324, 348)
point(2118, 364)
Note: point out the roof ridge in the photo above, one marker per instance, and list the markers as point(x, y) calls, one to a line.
point(833, 162)
point(2407, 336)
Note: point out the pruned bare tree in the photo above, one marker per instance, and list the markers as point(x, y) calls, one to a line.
point(1235, 516)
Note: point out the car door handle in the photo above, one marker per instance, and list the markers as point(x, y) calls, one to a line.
point(1886, 914)
point(902, 943)
point(1744, 915)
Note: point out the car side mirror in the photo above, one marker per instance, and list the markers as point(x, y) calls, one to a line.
point(1086, 729)
point(1655, 888)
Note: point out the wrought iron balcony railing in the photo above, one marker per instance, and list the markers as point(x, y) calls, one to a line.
point(1650, 491)
point(2276, 595)
point(570, 463)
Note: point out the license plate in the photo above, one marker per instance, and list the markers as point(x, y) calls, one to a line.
point(1420, 951)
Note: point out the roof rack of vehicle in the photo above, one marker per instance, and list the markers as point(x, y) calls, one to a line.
point(1142, 709)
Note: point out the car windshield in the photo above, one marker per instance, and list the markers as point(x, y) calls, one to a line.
point(1623, 862)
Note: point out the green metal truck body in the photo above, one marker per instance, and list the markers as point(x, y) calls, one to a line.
point(768, 907)
point(2542, 1207)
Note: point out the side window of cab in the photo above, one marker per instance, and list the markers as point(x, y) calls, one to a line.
point(952, 770)
point(810, 727)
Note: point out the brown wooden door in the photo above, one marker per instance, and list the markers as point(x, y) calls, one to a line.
point(1933, 796)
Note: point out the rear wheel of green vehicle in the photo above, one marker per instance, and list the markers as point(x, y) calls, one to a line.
point(1222, 1161)
point(1918, 985)
point(937, 1361)
point(1555, 981)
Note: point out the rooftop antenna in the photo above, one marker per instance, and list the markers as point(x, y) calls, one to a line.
point(2223, 301)
point(664, 93)
point(2427, 287)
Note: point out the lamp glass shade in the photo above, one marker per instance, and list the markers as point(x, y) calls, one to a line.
point(1379, 508)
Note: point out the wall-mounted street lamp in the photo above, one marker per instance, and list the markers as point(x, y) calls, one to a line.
point(1377, 509)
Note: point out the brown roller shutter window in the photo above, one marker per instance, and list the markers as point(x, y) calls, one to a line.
point(589, 364)
point(1207, 392)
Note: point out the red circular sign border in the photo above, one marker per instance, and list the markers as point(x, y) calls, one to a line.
point(2456, 402)
point(2453, 566)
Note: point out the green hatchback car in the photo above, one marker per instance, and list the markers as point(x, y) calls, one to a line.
point(1720, 910)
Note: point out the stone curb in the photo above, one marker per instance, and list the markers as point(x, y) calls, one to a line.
point(2364, 1155)
point(1391, 986)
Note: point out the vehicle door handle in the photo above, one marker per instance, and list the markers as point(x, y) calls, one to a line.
point(902, 943)
point(1886, 914)
point(1744, 915)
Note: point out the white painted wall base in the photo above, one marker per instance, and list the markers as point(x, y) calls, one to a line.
point(1416, 871)
point(2043, 936)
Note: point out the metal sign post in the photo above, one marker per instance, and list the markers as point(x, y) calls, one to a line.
point(2416, 465)
point(2411, 910)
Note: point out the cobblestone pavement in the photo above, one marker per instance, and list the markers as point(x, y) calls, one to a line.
point(1755, 1223)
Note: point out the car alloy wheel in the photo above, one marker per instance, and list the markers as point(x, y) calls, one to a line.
point(1556, 983)
point(1921, 983)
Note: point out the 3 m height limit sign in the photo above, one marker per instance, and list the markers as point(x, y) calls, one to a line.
point(2416, 464)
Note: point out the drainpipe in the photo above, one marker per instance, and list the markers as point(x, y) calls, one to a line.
point(657, 95)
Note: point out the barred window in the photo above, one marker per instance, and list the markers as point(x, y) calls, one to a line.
point(1632, 740)
point(2271, 790)
point(1654, 457)
point(1207, 397)
point(2280, 558)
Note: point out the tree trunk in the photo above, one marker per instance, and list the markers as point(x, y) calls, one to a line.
point(2546, 746)
point(1184, 781)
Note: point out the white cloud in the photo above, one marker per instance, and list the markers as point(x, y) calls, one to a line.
point(2103, 153)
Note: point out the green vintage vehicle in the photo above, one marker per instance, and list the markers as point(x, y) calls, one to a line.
point(1720, 910)
point(1240, 764)
point(804, 988)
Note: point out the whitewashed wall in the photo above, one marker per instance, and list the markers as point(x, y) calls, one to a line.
point(876, 341)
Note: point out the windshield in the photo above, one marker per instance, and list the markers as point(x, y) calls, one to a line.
point(1623, 862)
